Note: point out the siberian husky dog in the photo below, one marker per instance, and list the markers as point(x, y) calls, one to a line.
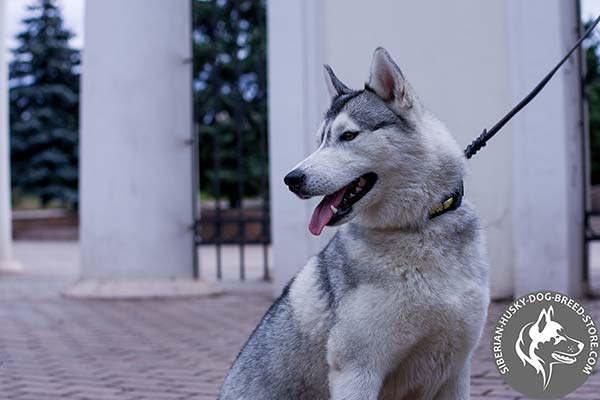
point(394, 305)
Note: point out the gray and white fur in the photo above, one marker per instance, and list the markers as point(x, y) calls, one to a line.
point(394, 305)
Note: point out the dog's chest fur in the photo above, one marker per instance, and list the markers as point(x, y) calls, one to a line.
point(393, 286)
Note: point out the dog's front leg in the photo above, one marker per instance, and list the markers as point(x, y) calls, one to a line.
point(354, 382)
point(363, 347)
point(457, 387)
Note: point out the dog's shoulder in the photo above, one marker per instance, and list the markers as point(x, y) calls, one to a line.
point(311, 297)
point(323, 281)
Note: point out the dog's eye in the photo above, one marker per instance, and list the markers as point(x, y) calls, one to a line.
point(348, 136)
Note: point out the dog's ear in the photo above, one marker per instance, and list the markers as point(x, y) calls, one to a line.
point(544, 318)
point(388, 82)
point(334, 85)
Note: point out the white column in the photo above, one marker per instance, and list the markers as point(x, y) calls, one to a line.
point(6, 261)
point(297, 99)
point(548, 181)
point(137, 205)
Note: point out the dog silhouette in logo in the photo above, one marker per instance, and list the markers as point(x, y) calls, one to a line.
point(544, 343)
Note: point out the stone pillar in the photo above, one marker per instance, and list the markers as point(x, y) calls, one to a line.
point(548, 212)
point(7, 263)
point(137, 200)
point(297, 98)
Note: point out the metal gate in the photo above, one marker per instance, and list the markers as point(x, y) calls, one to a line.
point(230, 113)
point(592, 241)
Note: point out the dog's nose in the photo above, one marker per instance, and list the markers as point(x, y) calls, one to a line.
point(294, 179)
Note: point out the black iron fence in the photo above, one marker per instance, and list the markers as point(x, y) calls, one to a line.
point(592, 234)
point(592, 225)
point(230, 111)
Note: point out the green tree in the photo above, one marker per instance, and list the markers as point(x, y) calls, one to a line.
point(44, 107)
point(230, 99)
point(592, 90)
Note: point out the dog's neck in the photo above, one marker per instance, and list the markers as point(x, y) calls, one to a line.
point(417, 207)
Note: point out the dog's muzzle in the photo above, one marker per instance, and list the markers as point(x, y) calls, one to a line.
point(295, 180)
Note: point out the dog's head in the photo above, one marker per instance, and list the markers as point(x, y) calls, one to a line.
point(544, 343)
point(381, 156)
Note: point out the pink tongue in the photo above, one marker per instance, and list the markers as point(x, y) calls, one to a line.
point(323, 214)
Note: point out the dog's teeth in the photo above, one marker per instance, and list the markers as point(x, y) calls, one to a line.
point(358, 189)
point(362, 182)
point(335, 210)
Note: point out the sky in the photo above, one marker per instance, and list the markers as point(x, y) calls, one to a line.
point(590, 9)
point(72, 10)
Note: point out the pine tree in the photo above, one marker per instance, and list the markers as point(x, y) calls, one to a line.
point(44, 107)
point(231, 95)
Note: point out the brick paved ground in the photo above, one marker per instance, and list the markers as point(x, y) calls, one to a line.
point(55, 348)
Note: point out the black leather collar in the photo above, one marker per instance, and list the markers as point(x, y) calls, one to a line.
point(450, 203)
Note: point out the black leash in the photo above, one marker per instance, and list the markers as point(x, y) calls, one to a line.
point(486, 135)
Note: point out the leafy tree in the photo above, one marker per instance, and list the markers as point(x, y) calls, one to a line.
point(44, 107)
point(230, 101)
point(592, 90)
